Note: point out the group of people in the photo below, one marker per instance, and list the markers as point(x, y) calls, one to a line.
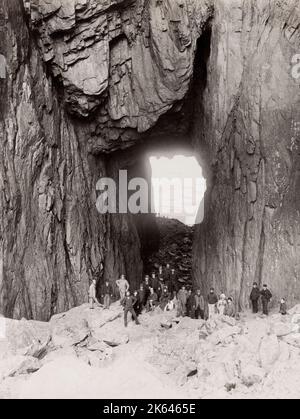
point(265, 296)
point(164, 290)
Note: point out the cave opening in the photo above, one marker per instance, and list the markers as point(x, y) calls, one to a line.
point(178, 140)
point(178, 187)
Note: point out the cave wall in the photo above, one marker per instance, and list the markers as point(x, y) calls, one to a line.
point(52, 239)
point(49, 246)
point(250, 127)
point(86, 81)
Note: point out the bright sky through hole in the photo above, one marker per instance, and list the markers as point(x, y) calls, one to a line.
point(178, 188)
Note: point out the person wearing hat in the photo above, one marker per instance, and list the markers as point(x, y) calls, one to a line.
point(283, 307)
point(147, 285)
point(254, 297)
point(129, 303)
point(230, 309)
point(266, 297)
point(182, 300)
point(154, 282)
point(212, 300)
point(199, 306)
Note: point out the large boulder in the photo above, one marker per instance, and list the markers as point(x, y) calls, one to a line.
point(24, 337)
point(77, 325)
point(225, 334)
point(68, 331)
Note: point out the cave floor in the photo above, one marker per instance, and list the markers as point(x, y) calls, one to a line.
point(163, 358)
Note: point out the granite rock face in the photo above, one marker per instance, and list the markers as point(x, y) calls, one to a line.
point(127, 61)
point(90, 85)
point(52, 238)
point(251, 127)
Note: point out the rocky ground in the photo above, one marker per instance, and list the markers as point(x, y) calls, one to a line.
point(175, 248)
point(89, 354)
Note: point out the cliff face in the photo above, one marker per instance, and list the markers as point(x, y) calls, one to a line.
point(251, 125)
point(89, 78)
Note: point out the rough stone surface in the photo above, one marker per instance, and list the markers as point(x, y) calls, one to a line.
point(86, 78)
point(247, 362)
point(250, 129)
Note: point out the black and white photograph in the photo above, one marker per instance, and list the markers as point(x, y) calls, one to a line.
point(149, 202)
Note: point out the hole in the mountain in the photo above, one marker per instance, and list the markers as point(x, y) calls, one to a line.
point(178, 187)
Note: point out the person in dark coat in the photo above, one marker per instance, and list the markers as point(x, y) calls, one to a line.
point(147, 285)
point(128, 303)
point(171, 281)
point(230, 309)
point(266, 297)
point(190, 304)
point(161, 286)
point(254, 297)
point(167, 273)
point(107, 293)
point(142, 299)
point(154, 281)
point(212, 300)
point(161, 272)
point(199, 305)
point(136, 305)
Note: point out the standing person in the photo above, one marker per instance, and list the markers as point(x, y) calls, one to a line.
point(167, 273)
point(182, 300)
point(123, 286)
point(154, 282)
point(221, 305)
point(190, 304)
point(92, 295)
point(212, 301)
point(254, 297)
point(165, 298)
point(107, 293)
point(128, 303)
point(173, 281)
point(152, 300)
point(136, 305)
point(283, 307)
point(161, 286)
point(147, 286)
point(266, 297)
point(142, 297)
point(230, 309)
point(199, 305)
point(160, 272)
point(148, 281)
